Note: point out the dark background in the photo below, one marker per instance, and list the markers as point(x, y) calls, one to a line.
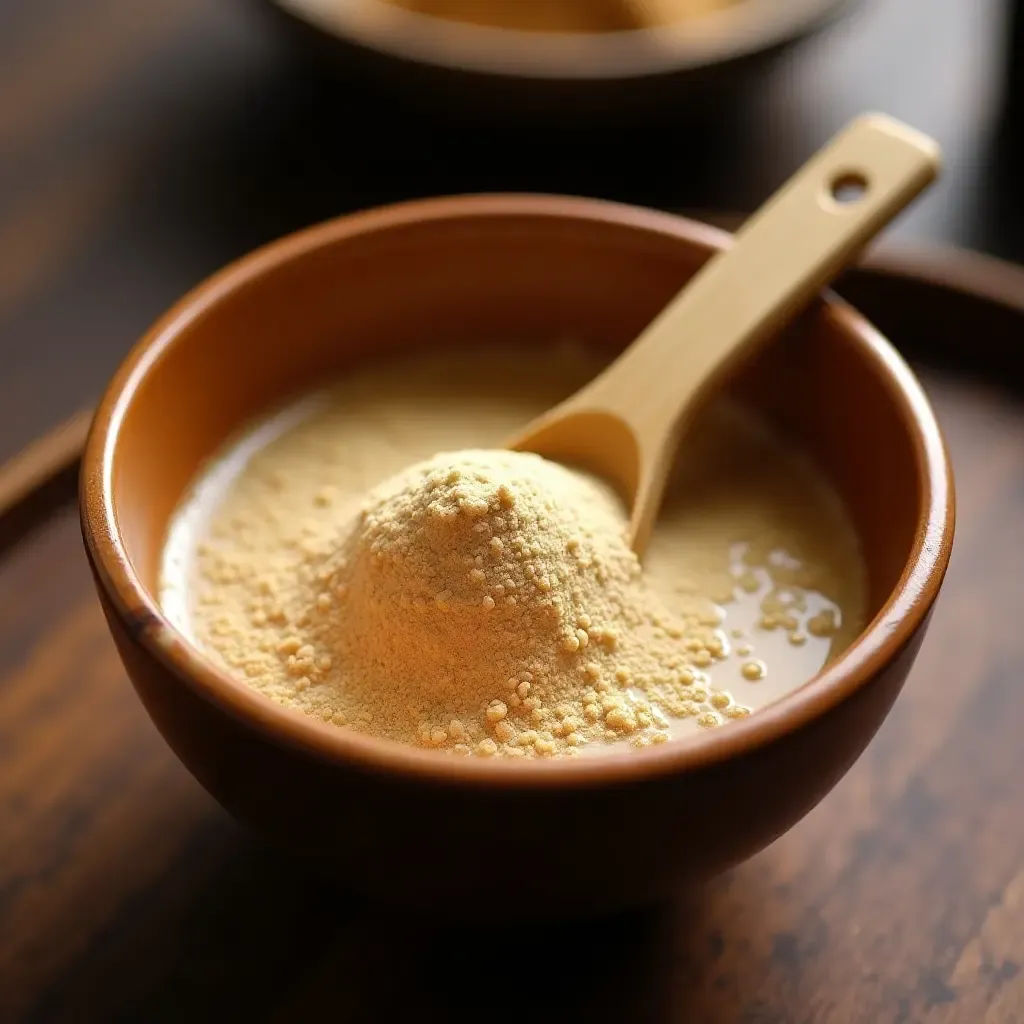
point(142, 145)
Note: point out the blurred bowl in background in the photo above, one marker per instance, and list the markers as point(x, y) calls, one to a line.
point(582, 55)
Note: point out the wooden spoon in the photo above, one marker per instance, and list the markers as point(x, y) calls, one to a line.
point(625, 425)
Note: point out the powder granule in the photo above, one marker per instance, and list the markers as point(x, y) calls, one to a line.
point(495, 588)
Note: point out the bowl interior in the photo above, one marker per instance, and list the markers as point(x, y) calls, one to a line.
point(484, 271)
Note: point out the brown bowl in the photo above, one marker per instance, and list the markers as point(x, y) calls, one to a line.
point(494, 836)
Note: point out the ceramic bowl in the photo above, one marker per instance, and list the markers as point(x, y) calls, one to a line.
point(472, 64)
point(472, 835)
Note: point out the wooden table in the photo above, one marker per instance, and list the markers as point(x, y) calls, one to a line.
point(142, 145)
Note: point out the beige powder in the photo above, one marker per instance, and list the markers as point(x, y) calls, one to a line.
point(491, 595)
point(485, 601)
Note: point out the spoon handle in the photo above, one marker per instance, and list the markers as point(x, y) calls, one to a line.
point(781, 258)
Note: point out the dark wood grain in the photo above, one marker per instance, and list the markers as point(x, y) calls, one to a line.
point(41, 479)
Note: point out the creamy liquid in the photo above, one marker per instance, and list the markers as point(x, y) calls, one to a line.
point(748, 527)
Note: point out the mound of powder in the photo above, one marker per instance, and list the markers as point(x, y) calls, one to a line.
point(474, 567)
point(487, 601)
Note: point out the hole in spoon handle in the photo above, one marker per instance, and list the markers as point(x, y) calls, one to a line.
point(849, 187)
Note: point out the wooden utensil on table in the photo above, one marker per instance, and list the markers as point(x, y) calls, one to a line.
point(626, 424)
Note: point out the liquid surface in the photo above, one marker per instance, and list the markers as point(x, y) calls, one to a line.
point(752, 555)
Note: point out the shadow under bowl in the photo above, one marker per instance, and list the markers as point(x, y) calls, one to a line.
point(415, 826)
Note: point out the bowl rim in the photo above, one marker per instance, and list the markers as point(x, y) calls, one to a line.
point(882, 640)
point(740, 30)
